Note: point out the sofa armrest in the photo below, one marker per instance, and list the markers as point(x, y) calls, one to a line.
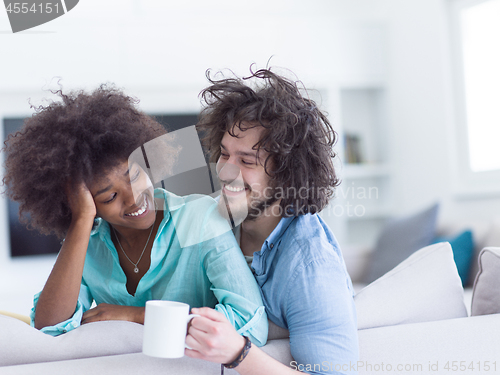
point(417, 348)
point(22, 344)
point(138, 363)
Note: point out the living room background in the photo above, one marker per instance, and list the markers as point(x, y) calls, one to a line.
point(159, 51)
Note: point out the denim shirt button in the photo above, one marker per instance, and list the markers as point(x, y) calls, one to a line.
point(271, 246)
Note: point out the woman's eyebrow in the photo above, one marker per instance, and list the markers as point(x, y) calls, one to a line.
point(103, 190)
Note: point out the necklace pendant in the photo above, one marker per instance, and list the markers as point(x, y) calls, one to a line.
point(136, 270)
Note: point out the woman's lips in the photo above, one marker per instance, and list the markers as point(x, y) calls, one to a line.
point(141, 211)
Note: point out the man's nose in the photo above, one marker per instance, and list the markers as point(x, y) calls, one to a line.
point(130, 196)
point(227, 172)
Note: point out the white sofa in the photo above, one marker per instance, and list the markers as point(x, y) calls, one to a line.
point(411, 321)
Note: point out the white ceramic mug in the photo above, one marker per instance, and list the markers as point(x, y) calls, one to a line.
point(165, 328)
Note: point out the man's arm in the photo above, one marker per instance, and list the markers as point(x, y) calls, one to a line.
point(321, 318)
point(214, 339)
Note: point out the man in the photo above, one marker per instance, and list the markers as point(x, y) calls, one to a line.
point(273, 149)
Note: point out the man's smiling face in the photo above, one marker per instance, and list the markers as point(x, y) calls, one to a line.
point(245, 183)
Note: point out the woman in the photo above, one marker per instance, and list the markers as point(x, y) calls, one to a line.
point(69, 170)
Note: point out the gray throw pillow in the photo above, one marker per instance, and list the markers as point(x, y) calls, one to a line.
point(486, 290)
point(399, 239)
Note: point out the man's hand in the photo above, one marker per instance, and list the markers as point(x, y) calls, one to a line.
point(211, 337)
point(105, 311)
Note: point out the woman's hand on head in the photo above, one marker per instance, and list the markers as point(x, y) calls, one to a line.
point(211, 337)
point(80, 201)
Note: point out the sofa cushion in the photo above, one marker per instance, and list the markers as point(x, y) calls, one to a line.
point(486, 290)
point(463, 251)
point(424, 287)
point(421, 348)
point(138, 363)
point(399, 239)
point(276, 332)
point(20, 343)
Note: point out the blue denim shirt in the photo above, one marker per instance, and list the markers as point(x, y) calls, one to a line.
point(307, 290)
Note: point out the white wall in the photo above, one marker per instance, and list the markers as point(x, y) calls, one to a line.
point(157, 44)
point(423, 121)
point(159, 51)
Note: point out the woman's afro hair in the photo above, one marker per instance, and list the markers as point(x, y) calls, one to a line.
point(72, 140)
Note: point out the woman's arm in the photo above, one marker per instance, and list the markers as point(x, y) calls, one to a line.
point(212, 338)
point(232, 281)
point(105, 311)
point(236, 289)
point(58, 299)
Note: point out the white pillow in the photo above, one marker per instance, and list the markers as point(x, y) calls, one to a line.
point(424, 287)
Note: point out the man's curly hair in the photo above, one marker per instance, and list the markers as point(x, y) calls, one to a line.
point(76, 139)
point(297, 135)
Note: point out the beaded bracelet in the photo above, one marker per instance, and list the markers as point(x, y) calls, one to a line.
point(240, 358)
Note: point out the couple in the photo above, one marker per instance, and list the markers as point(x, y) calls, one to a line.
point(69, 169)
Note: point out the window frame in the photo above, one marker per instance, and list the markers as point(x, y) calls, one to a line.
point(466, 182)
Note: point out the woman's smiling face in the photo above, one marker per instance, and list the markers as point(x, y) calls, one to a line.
point(124, 197)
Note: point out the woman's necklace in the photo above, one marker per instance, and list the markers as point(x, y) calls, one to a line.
point(136, 269)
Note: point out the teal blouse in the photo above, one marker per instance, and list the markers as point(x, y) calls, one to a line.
point(195, 259)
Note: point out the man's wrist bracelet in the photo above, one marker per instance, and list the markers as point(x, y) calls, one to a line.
point(241, 357)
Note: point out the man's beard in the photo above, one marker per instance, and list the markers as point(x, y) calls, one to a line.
point(237, 210)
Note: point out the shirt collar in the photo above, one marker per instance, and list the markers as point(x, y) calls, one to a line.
point(278, 232)
point(173, 202)
point(263, 258)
